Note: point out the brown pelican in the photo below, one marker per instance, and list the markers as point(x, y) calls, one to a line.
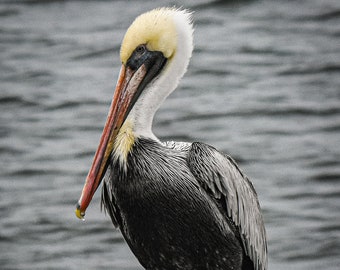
point(178, 205)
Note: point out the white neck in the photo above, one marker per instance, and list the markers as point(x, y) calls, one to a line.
point(141, 116)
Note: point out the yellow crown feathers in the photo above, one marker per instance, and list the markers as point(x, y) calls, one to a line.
point(156, 29)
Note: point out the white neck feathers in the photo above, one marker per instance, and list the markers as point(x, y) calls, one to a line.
point(141, 116)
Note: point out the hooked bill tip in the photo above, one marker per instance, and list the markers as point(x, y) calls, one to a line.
point(79, 213)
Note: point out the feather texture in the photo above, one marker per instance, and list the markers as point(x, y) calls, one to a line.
point(220, 176)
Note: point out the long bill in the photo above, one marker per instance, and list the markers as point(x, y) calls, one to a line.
point(122, 102)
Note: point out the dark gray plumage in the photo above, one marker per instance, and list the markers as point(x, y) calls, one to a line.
point(185, 206)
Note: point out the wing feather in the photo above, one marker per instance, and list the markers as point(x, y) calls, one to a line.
point(220, 176)
point(107, 198)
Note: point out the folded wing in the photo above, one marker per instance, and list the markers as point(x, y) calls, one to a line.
point(220, 176)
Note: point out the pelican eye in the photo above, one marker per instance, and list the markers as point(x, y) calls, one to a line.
point(138, 57)
point(140, 49)
point(154, 60)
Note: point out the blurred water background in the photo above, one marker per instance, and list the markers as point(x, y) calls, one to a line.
point(263, 86)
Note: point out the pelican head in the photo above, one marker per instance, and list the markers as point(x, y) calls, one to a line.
point(155, 53)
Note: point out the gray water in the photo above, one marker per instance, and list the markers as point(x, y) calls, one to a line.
point(263, 86)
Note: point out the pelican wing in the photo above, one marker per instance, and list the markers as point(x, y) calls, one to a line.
point(108, 200)
point(220, 176)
